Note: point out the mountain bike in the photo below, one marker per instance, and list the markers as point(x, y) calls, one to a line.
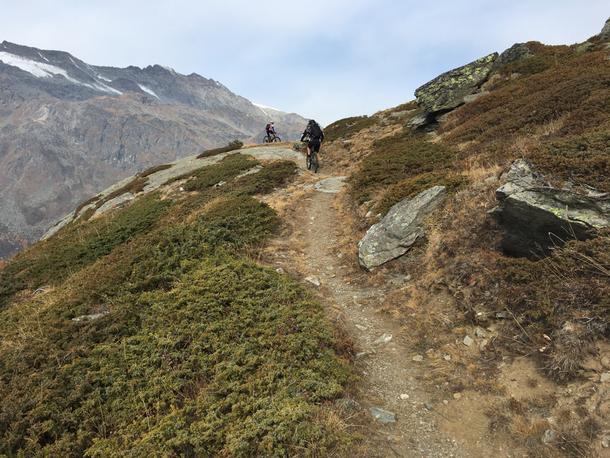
point(312, 162)
point(269, 138)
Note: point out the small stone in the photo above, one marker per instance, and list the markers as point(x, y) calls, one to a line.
point(445, 402)
point(604, 377)
point(429, 406)
point(606, 362)
point(457, 395)
point(418, 358)
point(483, 344)
point(468, 341)
point(391, 439)
point(447, 357)
point(548, 435)
point(502, 315)
point(340, 255)
point(606, 439)
point(408, 278)
point(384, 339)
point(383, 415)
point(362, 328)
point(312, 280)
point(404, 396)
point(479, 333)
point(279, 270)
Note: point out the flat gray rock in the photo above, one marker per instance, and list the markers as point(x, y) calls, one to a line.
point(330, 185)
point(399, 229)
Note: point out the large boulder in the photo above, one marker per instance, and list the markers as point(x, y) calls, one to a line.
point(448, 90)
point(537, 217)
point(399, 229)
point(515, 53)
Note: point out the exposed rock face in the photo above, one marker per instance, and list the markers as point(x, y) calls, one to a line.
point(448, 90)
point(515, 53)
point(459, 86)
point(537, 218)
point(399, 229)
point(68, 130)
point(605, 33)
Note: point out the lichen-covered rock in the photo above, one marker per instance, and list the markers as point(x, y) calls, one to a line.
point(605, 33)
point(399, 229)
point(515, 53)
point(537, 218)
point(448, 90)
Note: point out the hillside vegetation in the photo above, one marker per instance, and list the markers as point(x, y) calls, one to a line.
point(195, 350)
point(152, 331)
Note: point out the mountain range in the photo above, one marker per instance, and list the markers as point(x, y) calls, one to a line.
point(68, 130)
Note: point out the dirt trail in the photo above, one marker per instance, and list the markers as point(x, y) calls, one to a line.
point(391, 380)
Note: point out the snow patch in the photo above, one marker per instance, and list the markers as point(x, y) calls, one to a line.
point(41, 70)
point(264, 109)
point(145, 89)
point(43, 57)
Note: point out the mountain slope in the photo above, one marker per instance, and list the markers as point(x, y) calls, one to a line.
point(146, 325)
point(69, 130)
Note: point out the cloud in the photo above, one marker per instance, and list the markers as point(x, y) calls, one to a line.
point(322, 58)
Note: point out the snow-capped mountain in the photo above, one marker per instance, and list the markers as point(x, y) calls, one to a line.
point(69, 130)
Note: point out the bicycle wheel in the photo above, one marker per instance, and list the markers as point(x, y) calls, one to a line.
point(277, 139)
point(266, 139)
point(308, 162)
point(314, 162)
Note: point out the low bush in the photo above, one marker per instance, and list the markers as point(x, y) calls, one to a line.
point(395, 159)
point(201, 353)
point(232, 146)
point(345, 128)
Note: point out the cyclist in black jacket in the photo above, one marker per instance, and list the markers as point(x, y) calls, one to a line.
point(315, 134)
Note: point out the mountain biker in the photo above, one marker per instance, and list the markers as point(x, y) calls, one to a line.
point(270, 129)
point(315, 134)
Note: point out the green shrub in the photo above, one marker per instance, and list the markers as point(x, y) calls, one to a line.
point(580, 159)
point(397, 158)
point(225, 149)
point(201, 354)
point(236, 144)
point(347, 127)
point(77, 246)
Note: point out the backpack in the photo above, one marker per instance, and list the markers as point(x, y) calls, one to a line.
point(314, 130)
point(267, 127)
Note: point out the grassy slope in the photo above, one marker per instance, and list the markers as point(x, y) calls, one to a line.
point(200, 351)
point(552, 109)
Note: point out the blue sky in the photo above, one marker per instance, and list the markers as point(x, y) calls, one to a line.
point(322, 59)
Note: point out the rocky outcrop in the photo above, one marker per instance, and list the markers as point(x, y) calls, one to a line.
point(399, 229)
point(537, 217)
point(459, 86)
point(605, 33)
point(515, 53)
point(448, 90)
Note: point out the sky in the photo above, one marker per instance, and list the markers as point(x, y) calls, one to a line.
point(322, 59)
